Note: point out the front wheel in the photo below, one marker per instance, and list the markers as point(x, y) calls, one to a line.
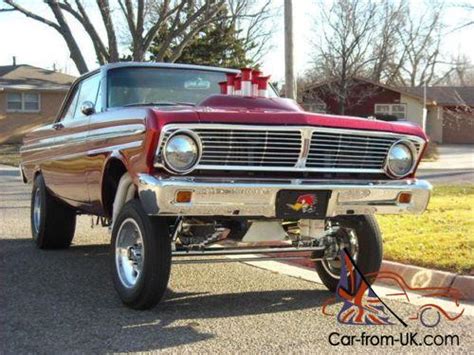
point(361, 236)
point(141, 256)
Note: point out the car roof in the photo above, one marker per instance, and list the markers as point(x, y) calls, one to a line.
point(165, 65)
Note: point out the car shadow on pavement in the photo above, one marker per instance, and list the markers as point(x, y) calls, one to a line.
point(68, 295)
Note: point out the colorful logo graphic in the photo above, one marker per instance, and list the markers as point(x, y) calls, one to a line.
point(362, 306)
point(304, 203)
point(358, 308)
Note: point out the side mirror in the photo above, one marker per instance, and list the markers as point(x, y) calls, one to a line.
point(87, 108)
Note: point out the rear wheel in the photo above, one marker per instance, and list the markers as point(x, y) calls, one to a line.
point(141, 256)
point(361, 236)
point(52, 222)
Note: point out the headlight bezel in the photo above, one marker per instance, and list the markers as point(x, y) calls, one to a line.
point(411, 148)
point(195, 138)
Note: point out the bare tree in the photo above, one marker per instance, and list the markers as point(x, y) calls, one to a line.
point(461, 72)
point(468, 8)
point(342, 53)
point(179, 20)
point(186, 18)
point(249, 18)
point(420, 54)
point(381, 42)
point(253, 19)
point(59, 25)
point(390, 16)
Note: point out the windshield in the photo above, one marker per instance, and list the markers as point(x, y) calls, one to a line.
point(161, 86)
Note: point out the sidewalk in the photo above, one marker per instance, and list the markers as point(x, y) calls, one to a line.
point(452, 157)
point(414, 276)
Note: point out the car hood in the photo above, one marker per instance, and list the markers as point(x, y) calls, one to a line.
point(241, 110)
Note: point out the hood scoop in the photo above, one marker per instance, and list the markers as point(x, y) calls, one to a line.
point(250, 103)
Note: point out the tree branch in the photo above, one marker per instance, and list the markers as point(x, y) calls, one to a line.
point(17, 7)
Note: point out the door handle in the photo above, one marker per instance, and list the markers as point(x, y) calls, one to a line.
point(58, 126)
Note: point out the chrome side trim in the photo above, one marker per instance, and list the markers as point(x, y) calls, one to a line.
point(89, 136)
point(134, 144)
point(257, 197)
point(306, 136)
point(118, 147)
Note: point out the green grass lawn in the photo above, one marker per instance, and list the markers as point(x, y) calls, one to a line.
point(441, 238)
point(9, 154)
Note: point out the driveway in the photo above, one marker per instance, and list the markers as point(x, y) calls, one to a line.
point(64, 301)
point(454, 166)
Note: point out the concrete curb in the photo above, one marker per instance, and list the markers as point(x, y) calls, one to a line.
point(417, 276)
point(414, 276)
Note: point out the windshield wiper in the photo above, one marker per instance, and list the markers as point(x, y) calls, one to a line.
point(159, 103)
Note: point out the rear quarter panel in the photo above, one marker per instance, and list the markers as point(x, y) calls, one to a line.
point(36, 152)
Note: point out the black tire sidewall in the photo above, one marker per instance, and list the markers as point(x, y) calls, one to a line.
point(370, 249)
point(157, 261)
point(39, 184)
point(57, 220)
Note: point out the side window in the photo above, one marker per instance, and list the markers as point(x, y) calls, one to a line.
point(72, 106)
point(88, 91)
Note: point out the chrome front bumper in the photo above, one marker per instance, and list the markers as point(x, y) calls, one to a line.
point(256, 197)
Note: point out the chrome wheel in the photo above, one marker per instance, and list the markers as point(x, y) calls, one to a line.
point(37, 211)
point(129, 253)
point(349, 241)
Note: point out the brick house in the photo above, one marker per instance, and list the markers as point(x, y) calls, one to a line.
point(450, 110)
point(29, 97)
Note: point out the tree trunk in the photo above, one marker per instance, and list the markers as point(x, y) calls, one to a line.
point(65, 31)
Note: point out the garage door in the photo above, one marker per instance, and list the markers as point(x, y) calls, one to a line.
point(458, 128)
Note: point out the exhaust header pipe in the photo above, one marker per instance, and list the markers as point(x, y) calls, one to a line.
point(249, 82)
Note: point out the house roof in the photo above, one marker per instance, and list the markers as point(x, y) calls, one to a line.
point(27, 77)
point(445, 95)
point(387, 87)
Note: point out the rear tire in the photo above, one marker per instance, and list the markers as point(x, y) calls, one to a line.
point(52, 222)
point(141, 256)
point(369, 249)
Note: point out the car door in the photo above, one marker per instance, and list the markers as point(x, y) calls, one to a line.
point(69, 166)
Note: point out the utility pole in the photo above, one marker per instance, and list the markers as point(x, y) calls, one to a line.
point(290, 83)
point(425, 111)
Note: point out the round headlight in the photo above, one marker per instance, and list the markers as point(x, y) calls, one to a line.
point(181, 152)
point(400, 159)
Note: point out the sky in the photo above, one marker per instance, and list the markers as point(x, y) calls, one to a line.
point(39, 45)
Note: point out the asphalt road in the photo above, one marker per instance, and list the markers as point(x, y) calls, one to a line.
point(63, 301)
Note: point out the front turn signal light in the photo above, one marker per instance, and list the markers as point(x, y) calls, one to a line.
point(184, 196)
point(404, 197)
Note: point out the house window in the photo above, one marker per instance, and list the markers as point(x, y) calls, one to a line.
point(23, 102)
point(397, 110)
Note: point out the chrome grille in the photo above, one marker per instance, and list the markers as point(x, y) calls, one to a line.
point(317, 149)
point(348, 151)
point(238, 147)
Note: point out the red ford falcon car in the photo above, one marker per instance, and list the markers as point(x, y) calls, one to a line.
point(184, 160)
